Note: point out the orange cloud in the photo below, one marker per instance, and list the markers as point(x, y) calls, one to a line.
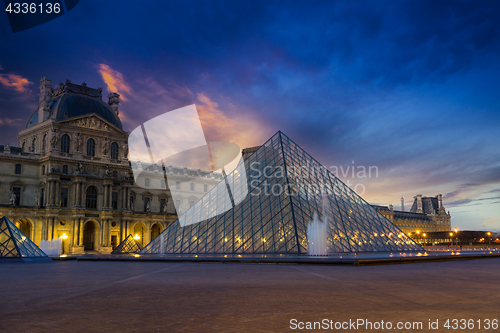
point(114, 81)
point(15, 81)
point(219, 128)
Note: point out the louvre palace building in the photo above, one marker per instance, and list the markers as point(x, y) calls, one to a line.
point(70, 176)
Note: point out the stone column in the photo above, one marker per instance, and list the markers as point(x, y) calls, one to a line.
point(82, 194)
point(57, 193)
point(74, 240)
point(147, 234)
point(80, 232)
point(105, 198)
point(109, 232)
point(121, 231)
point(49, 193)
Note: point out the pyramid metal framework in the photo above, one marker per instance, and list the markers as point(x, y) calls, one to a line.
point(15, 246)
point(284, 188)
point(129, 245)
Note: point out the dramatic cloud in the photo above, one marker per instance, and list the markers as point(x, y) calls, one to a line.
point(15, 82)
point(114, 81)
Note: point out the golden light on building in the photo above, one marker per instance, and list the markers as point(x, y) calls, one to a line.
point(451, 234)
point(64, 236)
point(137, 236)
point(418, 231)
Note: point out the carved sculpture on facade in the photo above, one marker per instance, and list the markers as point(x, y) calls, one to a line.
point(165, 206)
point(148, 207)
point(105, 146)
point(12, 199)
point(108, 171)
point(80, 169)
point(54, 139)
point(125, 150)
point(45, 94)
point(37, 201)
point(78, 142)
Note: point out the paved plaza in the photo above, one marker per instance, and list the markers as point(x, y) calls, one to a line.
point(100, 296)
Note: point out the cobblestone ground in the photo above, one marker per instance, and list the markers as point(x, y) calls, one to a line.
point(73, 296)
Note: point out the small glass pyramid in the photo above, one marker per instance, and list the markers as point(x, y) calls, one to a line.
point(15, 246)
point(278, 189)
point(129, 245)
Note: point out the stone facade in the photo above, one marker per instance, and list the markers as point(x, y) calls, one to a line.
point(427, 214)
point(71, 176)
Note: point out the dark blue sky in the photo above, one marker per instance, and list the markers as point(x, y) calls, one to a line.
point(408, 86)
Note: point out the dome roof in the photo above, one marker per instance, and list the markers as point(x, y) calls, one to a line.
point(71, 105)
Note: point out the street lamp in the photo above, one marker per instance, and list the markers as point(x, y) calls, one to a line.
point(451, 235)
point(489, 237)
point(63, 237)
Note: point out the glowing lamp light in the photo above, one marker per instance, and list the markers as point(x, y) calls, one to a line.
point(64, 236)
point(23, 238)
point(489, 233)
point(451, 234)
point(424, 235)
point(418, 231)
point(456, 229)
point(225, 239)
point(137, 236)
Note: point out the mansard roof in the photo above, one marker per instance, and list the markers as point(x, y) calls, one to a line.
point(429, 205)
point(72, 100)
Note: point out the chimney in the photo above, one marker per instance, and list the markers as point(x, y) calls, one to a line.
point(45, 97)
point(440, 201)
point(402, 204)
point(418, 197)
point(114, 100)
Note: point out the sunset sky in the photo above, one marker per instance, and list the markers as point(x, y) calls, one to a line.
point(410, 87)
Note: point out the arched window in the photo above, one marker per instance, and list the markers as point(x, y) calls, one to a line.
point(65, 169)
point(114, 151)
point(91, 147)
point(44, 143)
point(91, 201)
point(33, 145)
point(65, 143)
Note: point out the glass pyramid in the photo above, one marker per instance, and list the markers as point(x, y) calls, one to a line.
point(279, 189)
point(129, 245)
point(15, 246)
